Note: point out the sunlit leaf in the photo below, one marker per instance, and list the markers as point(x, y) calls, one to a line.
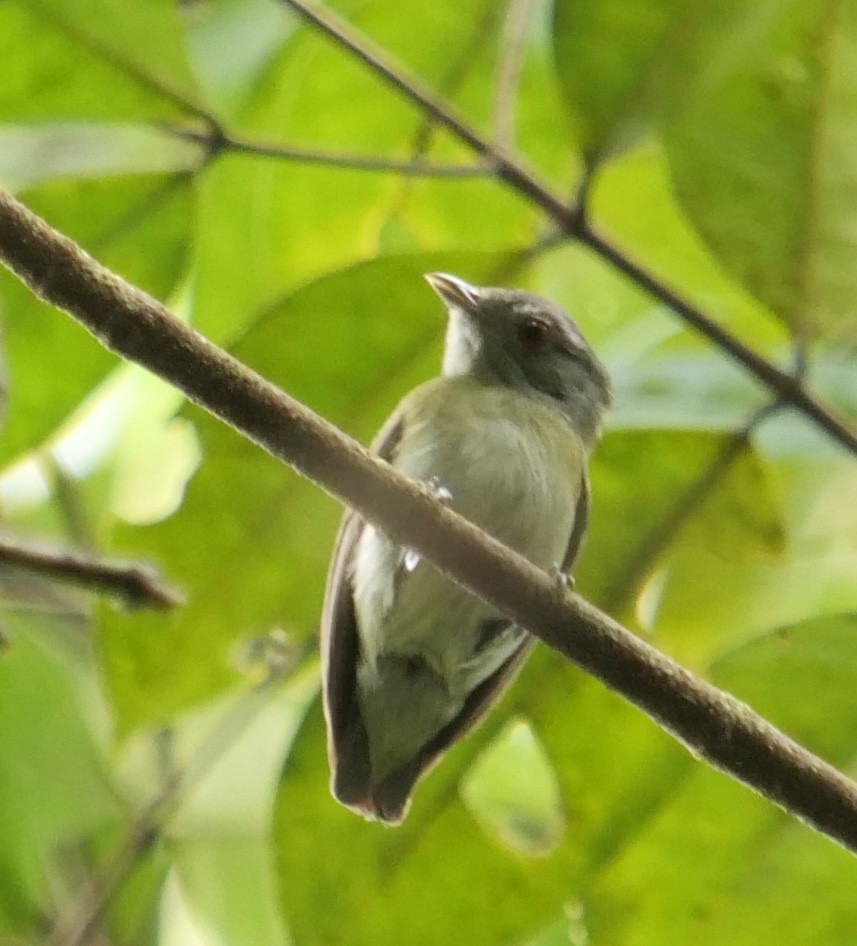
point(29, 155)
point(512, 791)
point(59, 58)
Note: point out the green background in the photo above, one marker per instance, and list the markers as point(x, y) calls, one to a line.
point(718, 139)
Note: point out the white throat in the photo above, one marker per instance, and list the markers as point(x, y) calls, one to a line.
point(462, 344)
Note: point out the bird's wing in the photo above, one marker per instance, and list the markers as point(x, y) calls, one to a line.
point(347, 745)
point(390, 797)
point(348, 748)
point(578, 530)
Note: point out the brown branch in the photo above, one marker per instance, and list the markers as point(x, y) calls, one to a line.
point(571, 220)
point(788, 388)
point(713, 725)
point(138, 585)
point(76, 926)
point(505, 167)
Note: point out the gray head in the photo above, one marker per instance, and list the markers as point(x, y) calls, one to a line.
point(522, 341)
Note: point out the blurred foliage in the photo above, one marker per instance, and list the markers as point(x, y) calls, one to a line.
point(718, 140)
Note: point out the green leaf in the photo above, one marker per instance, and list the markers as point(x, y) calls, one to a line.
point(761, 167)
point(140, 228)
point(512, 790)
point(127, 36)
point(812, 576)
point(53, 751)
point(816, 659)
point(246, 33)
point(229, 887)
point(699, 391)
point(647, 486)
point(266, 227)
point(229, 753)
point(718, 865)
point(628, 68)
point(437, 879)
point(59, 58)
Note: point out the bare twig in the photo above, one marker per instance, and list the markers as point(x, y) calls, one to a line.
point(75, 927)
point(787, 387)
point(138, 585)
point(713, 725)
point(505, 167)
point(572, 221)
point(217, 142)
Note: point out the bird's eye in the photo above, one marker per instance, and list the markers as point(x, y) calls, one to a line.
point(534, 333)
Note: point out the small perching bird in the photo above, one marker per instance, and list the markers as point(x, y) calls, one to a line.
point(411, 660)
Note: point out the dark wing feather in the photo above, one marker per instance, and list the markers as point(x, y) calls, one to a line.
point(390, 797)
point(578, 530)
point(347, 745)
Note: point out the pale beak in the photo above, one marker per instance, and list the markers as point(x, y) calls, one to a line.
point(455, 292)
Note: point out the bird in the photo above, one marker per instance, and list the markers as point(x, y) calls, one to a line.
point(412, 661)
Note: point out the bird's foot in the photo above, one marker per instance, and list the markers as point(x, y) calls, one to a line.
point(563, 580)
point(433, 486)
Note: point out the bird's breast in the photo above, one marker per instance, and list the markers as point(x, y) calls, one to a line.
point(513, 466)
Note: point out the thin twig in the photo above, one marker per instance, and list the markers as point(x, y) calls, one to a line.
point(509, 71)
point(711, 724)
point(573, 222)
point(75, 927)
point(227, 142)
point(787, 387)
point(138, 585)
point(504, 167)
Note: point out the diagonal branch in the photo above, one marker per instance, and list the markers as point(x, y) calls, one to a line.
point(788, 388)
point(504, 166)
point(571, 221)
point(710, 723)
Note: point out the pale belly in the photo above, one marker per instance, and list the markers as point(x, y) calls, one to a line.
point(513, 468)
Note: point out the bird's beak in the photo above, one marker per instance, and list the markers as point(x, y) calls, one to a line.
point(455, 292)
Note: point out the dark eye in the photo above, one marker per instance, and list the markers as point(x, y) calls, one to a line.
point(533, 333)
